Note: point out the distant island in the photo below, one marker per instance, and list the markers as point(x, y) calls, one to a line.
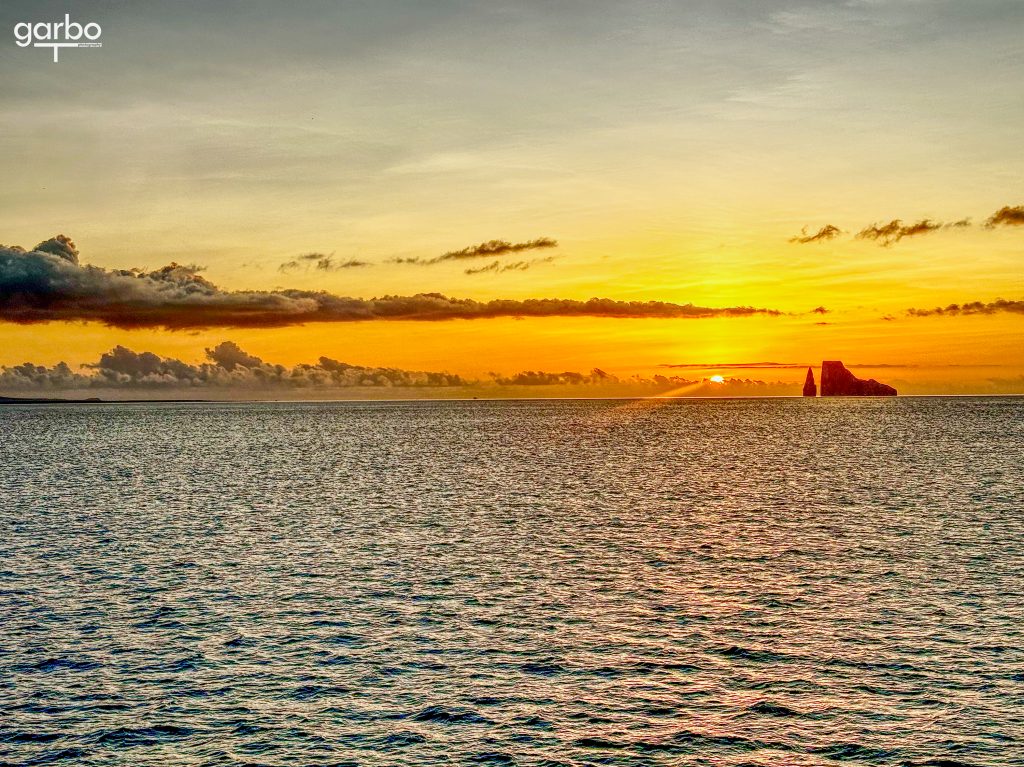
point(837, 381)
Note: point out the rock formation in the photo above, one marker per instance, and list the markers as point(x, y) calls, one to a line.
point(810, 388)
point(837, 381)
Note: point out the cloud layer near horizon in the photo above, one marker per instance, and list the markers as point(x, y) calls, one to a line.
point(229, 367)
point(48, 284)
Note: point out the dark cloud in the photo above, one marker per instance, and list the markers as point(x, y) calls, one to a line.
point(30, 376)
point(827, 232)
point(228, 366)
point(1006, 216)
point(487, 249)
point(820, 310)
point(321, 261)
point(513, 266)
point(49, 284)
point(498, 248)
point(328, 264)
point(973, 307)
point(896, 230)
point(61, 246)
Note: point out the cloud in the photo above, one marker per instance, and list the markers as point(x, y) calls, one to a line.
point(324, 263)
point(895, 231)
point(230, 372)
point(827, 232)
point(30, 376)
point(61, 246)
point(1006, 216)
point(228, 367)
point(972, 307)
point(487, 249)
point(328, 264)
point(540, 378)
point(514, 266)
point(49, 284)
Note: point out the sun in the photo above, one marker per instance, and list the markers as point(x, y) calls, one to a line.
point(717, 379)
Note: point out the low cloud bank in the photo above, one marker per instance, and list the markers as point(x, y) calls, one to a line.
point(541, 378)
point(231, 371)
point(228, 366)
point(48, 283)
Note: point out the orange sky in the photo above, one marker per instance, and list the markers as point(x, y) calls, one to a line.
point(672, 153)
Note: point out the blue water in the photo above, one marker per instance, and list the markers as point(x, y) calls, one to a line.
point(739, 582)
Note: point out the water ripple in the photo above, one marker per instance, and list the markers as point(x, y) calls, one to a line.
point(721, 583)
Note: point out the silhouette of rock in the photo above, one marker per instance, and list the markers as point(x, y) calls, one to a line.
point(810, 388)
point(837, 381)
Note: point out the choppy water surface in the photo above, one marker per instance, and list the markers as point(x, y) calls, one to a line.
point(758, 582)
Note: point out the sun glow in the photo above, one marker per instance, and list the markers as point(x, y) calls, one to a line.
point(717, 379)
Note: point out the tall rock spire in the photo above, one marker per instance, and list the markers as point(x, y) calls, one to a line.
point(810, 389)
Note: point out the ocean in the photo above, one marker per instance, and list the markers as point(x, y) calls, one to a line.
point(548, 582)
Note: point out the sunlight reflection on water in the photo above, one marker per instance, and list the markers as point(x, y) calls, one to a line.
point(555, 582)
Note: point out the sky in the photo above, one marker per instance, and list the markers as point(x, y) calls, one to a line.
point(672, 152)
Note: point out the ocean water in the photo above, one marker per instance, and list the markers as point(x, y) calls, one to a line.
point(734, 582)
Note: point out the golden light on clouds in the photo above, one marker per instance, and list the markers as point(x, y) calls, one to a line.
point(724, 160)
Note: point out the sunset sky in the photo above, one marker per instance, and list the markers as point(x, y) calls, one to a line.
point(675, 152)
